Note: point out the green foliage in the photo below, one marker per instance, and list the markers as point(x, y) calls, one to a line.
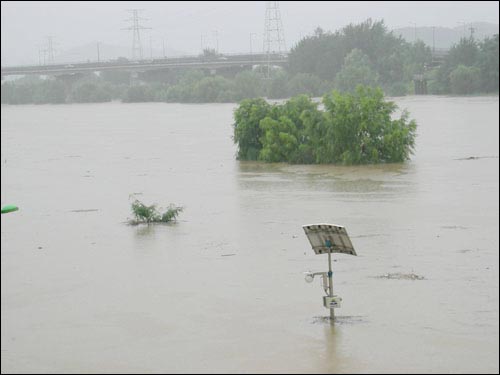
point(324, 53)
point(15, 93)
point(143, 213)
point(247, 131)
point(465, 80)
point(416, 57)
point(355, 71)
point(464, 53)
point(137, 94)
point(433, 85)
point(388, 61)
point(277, 86)
point(285, 135)
point(487, 62)
point(150, 214)
point(304, 83)
point(178, 93)
point(366, 53)
point(397, 89)
point(212, 89)
point(195, 87)
point(91, 92)
point(470, 67)
point(171, 214)
point(354, 128)
point(190, 77)
point(116, 77)
point(279, 140)
point(39, 91)
point(362, 130)
point(248, 84)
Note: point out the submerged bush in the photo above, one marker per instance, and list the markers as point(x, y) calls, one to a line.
point(138, 94)
point(353, 128)
point(91, 92)
point(150, 214)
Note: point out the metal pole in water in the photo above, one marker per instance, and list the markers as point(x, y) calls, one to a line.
point(328, 238)
point(330, 285)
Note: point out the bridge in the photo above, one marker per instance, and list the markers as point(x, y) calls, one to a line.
point(210, 62)
point(123, 64)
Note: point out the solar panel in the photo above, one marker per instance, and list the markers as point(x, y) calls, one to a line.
point(329, 238)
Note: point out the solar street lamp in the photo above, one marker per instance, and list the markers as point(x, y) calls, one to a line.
point(328, 239)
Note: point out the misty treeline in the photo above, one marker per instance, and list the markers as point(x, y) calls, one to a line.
point(353, 128)
point(366, 54)
point(369, 54)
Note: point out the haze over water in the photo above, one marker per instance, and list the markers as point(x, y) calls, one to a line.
point(222, 290)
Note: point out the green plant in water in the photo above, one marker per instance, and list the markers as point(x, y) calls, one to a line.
point(171, 213)
point(150, 214)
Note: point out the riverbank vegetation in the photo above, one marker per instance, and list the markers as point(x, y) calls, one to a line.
point(366, 54)
point(353, 128)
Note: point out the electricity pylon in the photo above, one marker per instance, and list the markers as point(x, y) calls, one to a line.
point(136, 36)
point(274, 37)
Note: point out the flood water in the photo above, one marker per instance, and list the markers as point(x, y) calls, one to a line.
point(222, 290)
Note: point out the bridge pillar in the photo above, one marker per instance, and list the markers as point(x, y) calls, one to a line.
point(420, 83)
point(134, 78)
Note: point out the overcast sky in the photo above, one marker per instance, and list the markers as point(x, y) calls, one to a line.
point(183, 24)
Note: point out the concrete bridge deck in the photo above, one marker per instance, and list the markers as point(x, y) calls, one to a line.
point(201, 62)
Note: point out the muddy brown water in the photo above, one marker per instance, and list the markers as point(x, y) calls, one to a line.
point(222, 290)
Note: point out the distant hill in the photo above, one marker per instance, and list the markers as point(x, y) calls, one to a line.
point(88, 52)
point(447, 37)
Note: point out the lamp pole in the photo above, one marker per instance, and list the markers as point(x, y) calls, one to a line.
point(216, 40)
point(251, 39)
point(330, 284)
point(328, 238)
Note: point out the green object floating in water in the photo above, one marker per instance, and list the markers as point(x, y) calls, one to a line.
point(9, 208)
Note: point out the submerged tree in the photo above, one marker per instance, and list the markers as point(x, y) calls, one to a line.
point(361, 129)
point(247, 131)
point(353, 128)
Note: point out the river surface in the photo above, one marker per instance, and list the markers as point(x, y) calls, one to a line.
point(222, 290)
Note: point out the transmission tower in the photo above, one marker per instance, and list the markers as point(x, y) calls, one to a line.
point(50, 50)
point(136, 36)
point(274, 37)
point(472, 29)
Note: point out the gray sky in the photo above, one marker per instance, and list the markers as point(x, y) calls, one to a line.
point(25, 25)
